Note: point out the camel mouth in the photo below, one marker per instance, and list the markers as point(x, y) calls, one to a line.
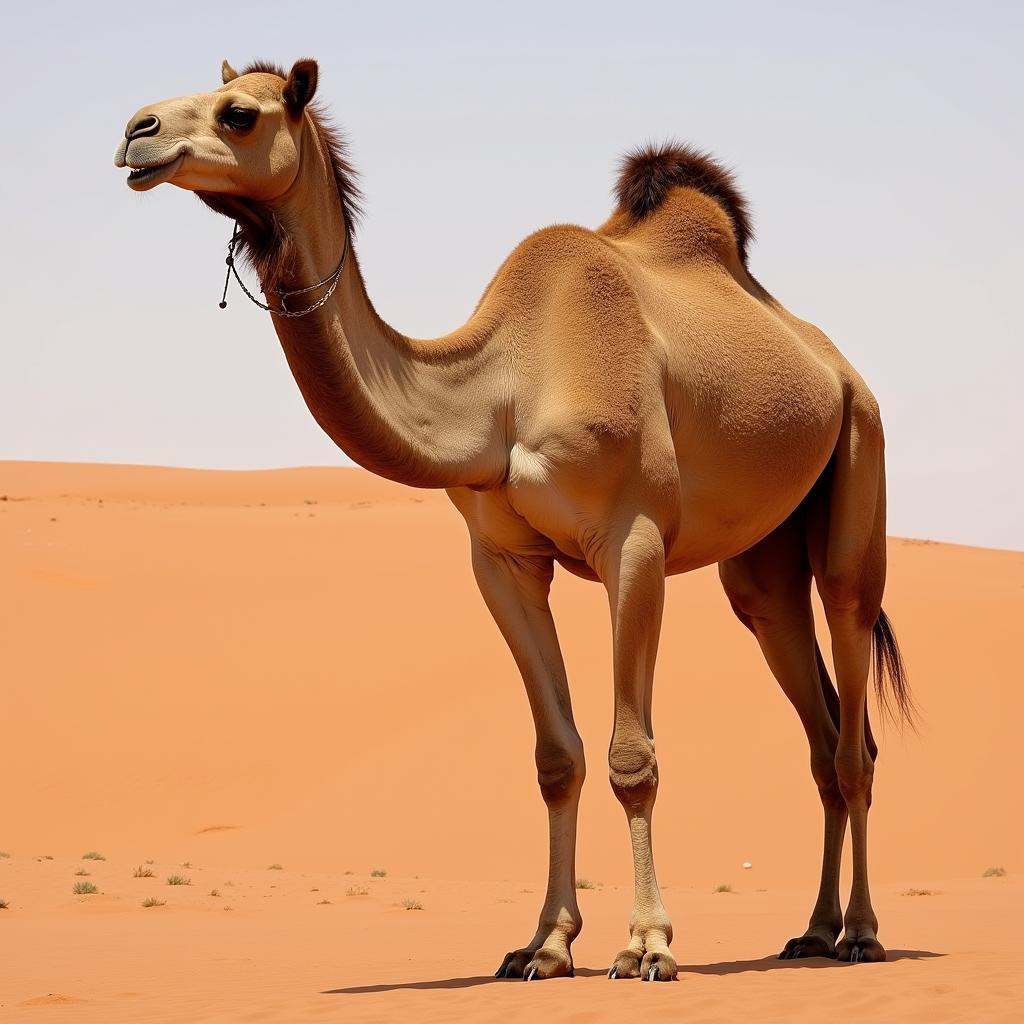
point(143, 178)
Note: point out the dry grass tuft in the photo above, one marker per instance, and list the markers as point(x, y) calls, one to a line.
point(93, 855)
point(324, 903)
point(994, 873)
point(84, 889)
point(214, 892)
point(152, 901)
point(178, 880)
point(919, 892)
point(142, 872)
point(275, 867)
point(723, 888)
point(378, 873)
point(412, 904)
point(585, 883)
point(82, 871)
point(357, 890)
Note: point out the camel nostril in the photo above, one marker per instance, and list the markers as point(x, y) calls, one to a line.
point(148, 124)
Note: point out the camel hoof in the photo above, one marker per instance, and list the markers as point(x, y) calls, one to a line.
point(536, 964)
point(658, 967)
point(860, 951)
point(626, 965)
point(804, 946)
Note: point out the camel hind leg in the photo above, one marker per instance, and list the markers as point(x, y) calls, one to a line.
point(846, 547)
point(769, 588)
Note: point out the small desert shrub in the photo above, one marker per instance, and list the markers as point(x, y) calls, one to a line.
point(919, 892)
point(150, 861)
point(994, 873)
point(214, 892)
point(93, 855)
point(81, 871)
point(723, 888)
point(275, 867)
point(357, 890)
point(378, 873)
point(84, 889)
point(584, 883)
point(142, 872)
point(178, 880)
point(187, 865)
point(152, 901)
point(412, 904)
point(324, 903)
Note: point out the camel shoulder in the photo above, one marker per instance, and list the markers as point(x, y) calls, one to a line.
point(543, 262)
point(574, 324)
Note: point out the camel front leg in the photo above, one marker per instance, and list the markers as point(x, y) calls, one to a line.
point(635, 577)
point(516, 589)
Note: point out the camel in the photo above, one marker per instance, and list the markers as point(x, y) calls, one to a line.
point(627, 402)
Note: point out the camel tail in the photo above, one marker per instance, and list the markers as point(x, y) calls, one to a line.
point(648, 173)
point(891, 684)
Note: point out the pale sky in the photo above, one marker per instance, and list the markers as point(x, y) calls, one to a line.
point(880, 145)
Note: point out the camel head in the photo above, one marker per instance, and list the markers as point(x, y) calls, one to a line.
point(242, 140)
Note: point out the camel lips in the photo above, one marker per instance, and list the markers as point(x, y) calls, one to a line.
point(151, 176)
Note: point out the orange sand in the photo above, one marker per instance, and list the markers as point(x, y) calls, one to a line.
point(243, 669)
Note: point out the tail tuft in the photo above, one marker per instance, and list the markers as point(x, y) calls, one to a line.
point(895, 699)
point(648, 172)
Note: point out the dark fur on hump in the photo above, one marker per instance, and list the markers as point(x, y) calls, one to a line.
point(648, 172)
point(263, 241)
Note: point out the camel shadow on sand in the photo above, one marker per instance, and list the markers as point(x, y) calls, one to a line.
point(768, 963)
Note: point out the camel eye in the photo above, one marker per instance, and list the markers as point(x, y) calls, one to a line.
point(239, 118)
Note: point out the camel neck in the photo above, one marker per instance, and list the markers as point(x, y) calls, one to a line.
point(427, 413)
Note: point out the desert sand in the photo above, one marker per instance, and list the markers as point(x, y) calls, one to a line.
point(286, 681)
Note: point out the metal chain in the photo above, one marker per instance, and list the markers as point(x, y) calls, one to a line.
point(332, 281)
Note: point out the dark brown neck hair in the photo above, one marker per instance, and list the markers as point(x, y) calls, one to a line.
point(264, 241)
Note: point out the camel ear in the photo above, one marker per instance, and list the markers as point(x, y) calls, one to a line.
point(227, 73)
point(301, 86)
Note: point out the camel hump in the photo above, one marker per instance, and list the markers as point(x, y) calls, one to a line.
point(648, 173)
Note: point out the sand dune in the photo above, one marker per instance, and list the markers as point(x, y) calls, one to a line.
point(234, 670)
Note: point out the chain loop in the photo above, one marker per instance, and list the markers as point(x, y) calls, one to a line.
point(331, 282)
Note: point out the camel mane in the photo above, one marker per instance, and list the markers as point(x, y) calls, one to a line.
point(648, 172)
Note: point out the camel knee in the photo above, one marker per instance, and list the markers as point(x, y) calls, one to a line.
point(851, 594)
point(826, 778)
point(760, 599)
point(749, 601)
point(633, 772)
point(855, 774)
point(561, 770)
